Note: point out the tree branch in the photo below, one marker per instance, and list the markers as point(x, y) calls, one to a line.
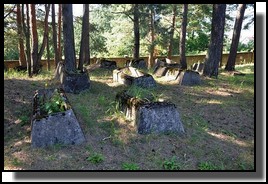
point(5, 16)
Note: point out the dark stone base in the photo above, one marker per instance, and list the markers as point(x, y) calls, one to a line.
point(107, 64)
point(74, 83)
point(150, 117)
point(132, 76)
point(188, 78)
point(139, 63)
point(56, 128)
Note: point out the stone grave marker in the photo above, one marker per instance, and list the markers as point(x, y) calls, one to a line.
point(132, 76)
point(53, 121)
point(150, 116)
point(188, 78)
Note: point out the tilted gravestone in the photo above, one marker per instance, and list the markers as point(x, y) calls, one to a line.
point(150, 117)
point(53, 121)
point(132, 76)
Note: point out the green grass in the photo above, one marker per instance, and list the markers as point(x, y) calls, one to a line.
point(206, 166)
point(109, 133)
point(171, 164)
point(130, 166)
point(96, 158)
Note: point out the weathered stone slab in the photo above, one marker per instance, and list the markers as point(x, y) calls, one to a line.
point(108, 64)
point(172, 74)
point(194, 66)
point(162, 67)
point(188, 78)
point(198, 67)
point(74, 83)
point(150, 117)
point(139, 63)
point(133, 76)
point(55, 128)
point(158, 117)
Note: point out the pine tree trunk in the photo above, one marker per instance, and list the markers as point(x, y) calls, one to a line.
point(183, 37)
point(22, 58)
point(48, 53)
point(87, 50)
point(172, 31)
point(230, 66)
point(54, 30)
point(45, 36)
point(34, 37)
point(214, 54)
point(59, 32)
point(136, 52)
point(26, 30)
point(151, 55)
point(84, 49)
point(68, 37)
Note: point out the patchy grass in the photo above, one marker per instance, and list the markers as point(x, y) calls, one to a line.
point(130, 166)
point(218, 118)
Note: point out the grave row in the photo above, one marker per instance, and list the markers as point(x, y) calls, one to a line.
point(60, 126)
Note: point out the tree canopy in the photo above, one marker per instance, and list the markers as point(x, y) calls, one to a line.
point(111, 29)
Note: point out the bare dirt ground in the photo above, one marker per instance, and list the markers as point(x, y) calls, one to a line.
point(218, 117)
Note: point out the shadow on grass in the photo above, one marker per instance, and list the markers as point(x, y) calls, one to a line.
point(212, 131)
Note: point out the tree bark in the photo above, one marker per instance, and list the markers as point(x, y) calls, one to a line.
point(68, 37)
point(54, 30)
point(136, 52)
point(84, 48)
point(26, 30)
point(151, 55)
point(172, 31)
point(45, 36)
point(59, 32)
point(34, 37)
point(22, 59)
point(48, 53)
point(214, 54)
point(230, 66)
point(183, 37)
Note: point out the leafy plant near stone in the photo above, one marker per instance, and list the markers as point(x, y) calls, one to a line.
point(130, 166)
point(142, 93)
point(96, 158)
point(171, 164)
point(54, 104)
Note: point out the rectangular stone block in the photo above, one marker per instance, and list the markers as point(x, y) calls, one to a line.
point(188, 78)
point(56, 127)
point(148, 116)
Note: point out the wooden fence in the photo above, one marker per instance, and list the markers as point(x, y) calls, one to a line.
point(241, 58)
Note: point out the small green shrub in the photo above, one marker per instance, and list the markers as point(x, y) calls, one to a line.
point(96, 158)
point(24, 119)
point(54, 104)
point(206, 166)
point(171, 164)
point(130, 166)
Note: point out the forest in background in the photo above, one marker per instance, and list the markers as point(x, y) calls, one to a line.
point(111, 29)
